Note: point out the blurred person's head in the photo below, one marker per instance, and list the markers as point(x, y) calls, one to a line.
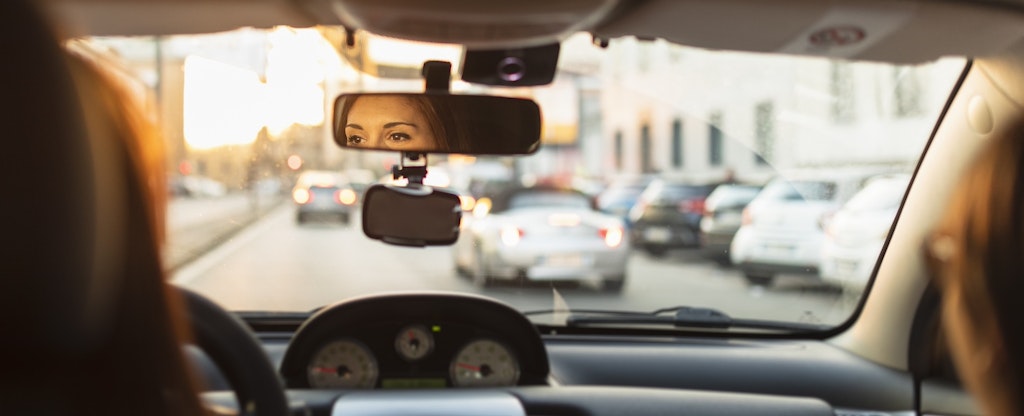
point(977, 256)
point(88, 314)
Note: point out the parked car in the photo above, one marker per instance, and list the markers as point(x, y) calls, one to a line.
point(723, 216)
point(854, 236)
point(542, 234)
point(782, 226)
point(325, 195)
point(667, 216)
point(620, 196)
point(196, 186)
point(359, 179)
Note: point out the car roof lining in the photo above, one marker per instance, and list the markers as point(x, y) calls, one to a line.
point(903, 32)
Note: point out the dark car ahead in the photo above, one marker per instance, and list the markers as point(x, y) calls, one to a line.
point(723, 216)
point(668, 215)
point(322, 194)
point(621, 195)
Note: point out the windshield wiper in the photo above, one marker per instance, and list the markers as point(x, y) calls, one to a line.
point(677, 316)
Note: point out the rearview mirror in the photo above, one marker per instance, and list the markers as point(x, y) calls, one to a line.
point(437, 123)
point(416, 215)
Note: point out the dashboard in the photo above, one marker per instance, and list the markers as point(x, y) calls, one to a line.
point(415, 341)
point(458, 354)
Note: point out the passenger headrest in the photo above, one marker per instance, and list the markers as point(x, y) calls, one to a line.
point(63, 197)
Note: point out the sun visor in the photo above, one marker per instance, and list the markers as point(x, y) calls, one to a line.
point(475, 24)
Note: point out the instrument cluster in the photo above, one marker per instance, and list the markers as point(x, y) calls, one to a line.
point(427, 342)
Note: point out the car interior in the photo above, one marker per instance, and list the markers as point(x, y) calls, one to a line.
point(462, 354)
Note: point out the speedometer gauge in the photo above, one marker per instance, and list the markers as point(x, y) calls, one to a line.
point(484, 363)
point(345, 363)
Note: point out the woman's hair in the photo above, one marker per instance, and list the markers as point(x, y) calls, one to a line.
point(92, 326)
point(978, 249)
point(141, 368)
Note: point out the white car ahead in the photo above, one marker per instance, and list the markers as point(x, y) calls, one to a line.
point(782, 226)
point(855, 235)
point(542, 234)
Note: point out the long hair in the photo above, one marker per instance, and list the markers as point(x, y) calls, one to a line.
point(141, 369)
point(978, 249)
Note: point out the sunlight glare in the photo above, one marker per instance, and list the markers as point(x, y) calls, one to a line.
point(222, 104)
point(404, 53)
point(297, 65)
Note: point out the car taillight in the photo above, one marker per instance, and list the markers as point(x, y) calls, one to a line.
point(467, 202)
point(302, 196)
point(612, 236)
point(748, 217)
point(693, 205)
point(510, 235)
point(345, 196)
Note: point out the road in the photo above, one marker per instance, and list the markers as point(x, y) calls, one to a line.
point(195, 225)
point(276, 264)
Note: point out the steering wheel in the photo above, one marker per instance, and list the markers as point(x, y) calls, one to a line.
point(239, 356)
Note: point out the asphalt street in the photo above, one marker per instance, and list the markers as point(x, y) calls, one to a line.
point(275, 264)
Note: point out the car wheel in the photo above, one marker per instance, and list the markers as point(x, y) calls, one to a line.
point(656, 251)
point(613, 284)
point(479, 271)
point(759, 279)
point(723, 261)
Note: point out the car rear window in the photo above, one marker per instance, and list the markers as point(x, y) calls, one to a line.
point(548, 199)
point(799, 191)
point(674, 192)
point(879, 194)
point(728, 195)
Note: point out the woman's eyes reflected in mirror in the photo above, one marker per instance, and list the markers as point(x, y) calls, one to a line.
point(438, 123)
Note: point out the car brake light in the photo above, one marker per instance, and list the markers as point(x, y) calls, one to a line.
point(612, 236)
point(693, 205)
point(302, 196)
point(345, 196)
point(511, 235)
point(467, 202)
point(748, 217)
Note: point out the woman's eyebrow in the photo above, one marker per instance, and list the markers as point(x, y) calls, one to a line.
point(400, 123)
point(355, 126)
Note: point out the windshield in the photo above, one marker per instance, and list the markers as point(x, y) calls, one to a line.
point(245, 113)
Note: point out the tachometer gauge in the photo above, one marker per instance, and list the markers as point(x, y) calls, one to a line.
point(414, 342)
point(345, 363)
point(484, 363)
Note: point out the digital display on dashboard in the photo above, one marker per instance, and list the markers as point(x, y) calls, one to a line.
point(413, 383)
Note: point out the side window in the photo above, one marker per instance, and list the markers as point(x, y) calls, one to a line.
point(645, 149)
point(715, 145)
point(764, 136)
point(618, 150)
point(677, 143)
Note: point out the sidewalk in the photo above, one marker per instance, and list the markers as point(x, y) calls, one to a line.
point(194, 226)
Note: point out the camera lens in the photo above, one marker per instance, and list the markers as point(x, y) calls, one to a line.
point(511, 69)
